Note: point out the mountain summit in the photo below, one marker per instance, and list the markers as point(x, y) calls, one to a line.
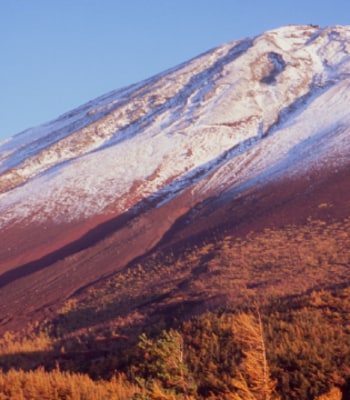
point(252, 134)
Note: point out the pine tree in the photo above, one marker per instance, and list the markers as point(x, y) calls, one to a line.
point(163, 365)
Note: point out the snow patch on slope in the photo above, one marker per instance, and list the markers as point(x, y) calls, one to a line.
point(251, 110)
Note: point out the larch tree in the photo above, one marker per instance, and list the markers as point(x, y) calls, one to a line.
point(254, 380)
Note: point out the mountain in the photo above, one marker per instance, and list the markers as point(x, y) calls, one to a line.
point(223, 179)
point(207, 206)
point(251, 135)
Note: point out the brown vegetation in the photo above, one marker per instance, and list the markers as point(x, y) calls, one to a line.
point(303, 293)
point(57, 385)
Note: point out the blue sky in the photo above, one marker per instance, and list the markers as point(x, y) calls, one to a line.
point(58, 54)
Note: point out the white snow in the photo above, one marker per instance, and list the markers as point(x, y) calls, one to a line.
point(218, 112)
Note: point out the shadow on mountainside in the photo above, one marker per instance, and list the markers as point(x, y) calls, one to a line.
point(105, 229)
point(83, 358)
point(100, 352)
point(92, 237)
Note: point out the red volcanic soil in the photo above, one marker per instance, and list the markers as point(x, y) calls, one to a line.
point(43, 265)
point(60, 259)
point(277, 204)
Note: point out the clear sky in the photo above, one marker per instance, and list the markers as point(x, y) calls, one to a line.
point(58, 54)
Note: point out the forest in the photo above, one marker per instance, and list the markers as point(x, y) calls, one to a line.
point(266, 316)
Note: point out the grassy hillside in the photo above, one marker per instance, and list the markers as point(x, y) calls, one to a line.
point(189, 301)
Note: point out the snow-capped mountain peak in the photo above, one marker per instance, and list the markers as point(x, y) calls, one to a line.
point(258, 109)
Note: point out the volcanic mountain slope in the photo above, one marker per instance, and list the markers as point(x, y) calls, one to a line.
point(250, 135)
